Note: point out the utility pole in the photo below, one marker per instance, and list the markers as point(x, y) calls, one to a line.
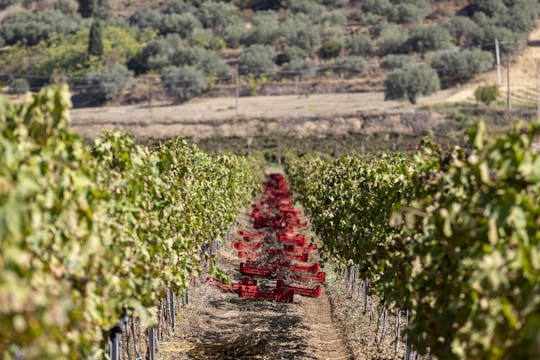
point(508, 94)
point(237, 89)
point(538, 89)
point(498, 54)
point(149, 95)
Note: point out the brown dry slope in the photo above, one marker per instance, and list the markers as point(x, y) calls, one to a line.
point(220, 325)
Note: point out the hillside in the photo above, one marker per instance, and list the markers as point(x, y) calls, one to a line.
point(130, 51)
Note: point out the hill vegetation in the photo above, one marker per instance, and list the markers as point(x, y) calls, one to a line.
point(191, 46)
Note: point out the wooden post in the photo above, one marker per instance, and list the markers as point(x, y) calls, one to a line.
point(151, 343)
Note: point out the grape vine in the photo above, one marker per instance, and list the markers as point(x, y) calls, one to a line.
point(87, 231)
point(453, 236)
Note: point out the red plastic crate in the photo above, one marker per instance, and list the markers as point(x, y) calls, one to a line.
point(299, 240)
point(248, 236)
point(240, 246)
point(318, 277)
point(248, 269)
point(313, 269)
point(300, 249)
point(249, 284)
point(280, 295)
point(290, 256)
point(314, 292)
point(248, 255)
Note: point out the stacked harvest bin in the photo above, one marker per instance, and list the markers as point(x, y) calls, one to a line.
point(276, 249)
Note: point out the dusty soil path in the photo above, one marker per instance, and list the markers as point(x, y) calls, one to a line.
point(220, 325)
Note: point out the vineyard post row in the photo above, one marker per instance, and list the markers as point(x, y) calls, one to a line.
point(90, 231)
point(452, 236)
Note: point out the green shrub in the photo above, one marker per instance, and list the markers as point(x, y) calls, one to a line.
point(265, 28)
point(107, 84)
point(358, 44)
point(463, 29)
point(207, 39)
point(257, 60)
point(181, 24)
point(66, 6)
point(391, 40)
point(429, 38)
point(298, 30)
point(147, 18)
point(330, 49)
point(169, 51)
point(408, 14)
point(379, 7)
point(352, 65)
point(290, 54)
point(411, 82)
point(236, 32)
point(337, 18)
point(159, 52)
point(391, 62)
point(301, 68)
point(511, 43)
point(69, 53)
point(183, 83)
point(455, 66)
point(487, 94)
point(308, 7)
point(30, 28)
point(215, 15)
point(489, 7)
point(19, 86)
point(179, 7)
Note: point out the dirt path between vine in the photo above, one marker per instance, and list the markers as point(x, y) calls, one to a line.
point(220, 325)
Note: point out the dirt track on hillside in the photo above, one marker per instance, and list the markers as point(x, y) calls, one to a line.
point(201, 118)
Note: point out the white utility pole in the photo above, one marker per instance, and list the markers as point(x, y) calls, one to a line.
point(498, 54)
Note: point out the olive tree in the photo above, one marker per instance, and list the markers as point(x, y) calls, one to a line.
point(410, 82)
point(183, 83)
point(429, 38)
point(257, 60)
point(358, 44)
point(107, 84)
point(454, 66)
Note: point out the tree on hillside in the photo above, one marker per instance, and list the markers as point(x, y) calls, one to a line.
point(410, 82)
point(183, 83)
point(92, 8)
point(257, 60)
point(95, 39)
